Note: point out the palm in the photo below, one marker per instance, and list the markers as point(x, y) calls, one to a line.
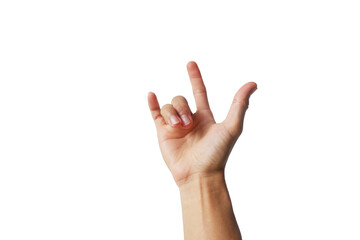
point(187, 151)
point(203, 146)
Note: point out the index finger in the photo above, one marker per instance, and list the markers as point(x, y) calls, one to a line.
point(198, 86)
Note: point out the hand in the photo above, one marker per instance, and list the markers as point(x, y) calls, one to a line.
point(194, 144)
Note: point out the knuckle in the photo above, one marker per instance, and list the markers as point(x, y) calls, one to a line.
point(242, 102)
point(166, 108)
point(201, 90)
point(181, 105)
point(157, 117)
point(178, 99)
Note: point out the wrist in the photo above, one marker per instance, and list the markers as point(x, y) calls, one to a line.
point(207, 209)
point(213, 182)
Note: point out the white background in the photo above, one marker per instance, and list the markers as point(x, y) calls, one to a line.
point(78, 150)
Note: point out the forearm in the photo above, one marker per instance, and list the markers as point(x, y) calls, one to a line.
point(207, 209)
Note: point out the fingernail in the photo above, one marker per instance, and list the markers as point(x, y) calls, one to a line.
point(174, 120)
point(185, 119)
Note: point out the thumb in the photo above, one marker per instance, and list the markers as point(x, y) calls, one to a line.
point(235, 118)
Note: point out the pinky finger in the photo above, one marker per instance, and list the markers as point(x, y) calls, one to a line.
point(155, 109)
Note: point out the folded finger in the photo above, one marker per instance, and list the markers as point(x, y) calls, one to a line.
point(170, 115)
point(182, 108)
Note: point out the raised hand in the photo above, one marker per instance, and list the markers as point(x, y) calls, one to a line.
point(193, 143)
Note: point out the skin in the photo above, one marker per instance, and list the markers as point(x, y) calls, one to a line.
point(195, 149)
